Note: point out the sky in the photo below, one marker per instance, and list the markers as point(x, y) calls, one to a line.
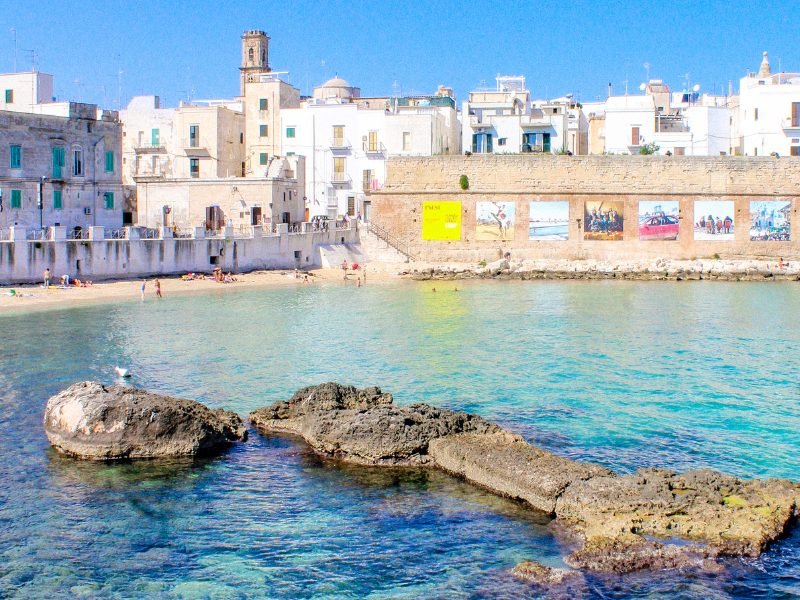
point(107, 52)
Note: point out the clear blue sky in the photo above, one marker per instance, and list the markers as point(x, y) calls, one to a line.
point(177, 49)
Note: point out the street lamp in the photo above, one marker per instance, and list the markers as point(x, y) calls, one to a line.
point(40, 201)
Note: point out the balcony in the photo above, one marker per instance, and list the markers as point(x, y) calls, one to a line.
point(193, 150)
point(535, 149)
point(477, 122)
point(157, 148)
point(791, 124)
point(671, 124)
point(341, 179)
point(535, 121)
point(340, 143)
point(375, 148)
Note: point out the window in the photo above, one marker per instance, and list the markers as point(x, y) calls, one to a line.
point(194, 136)
point(57, 200)
point(351, 206)
point(263, 130)
point(501, 141)
point(634, 136)
point(338, 170)
point(262, 104)
point(338, 135)
point(108, 200)
point(194, 167)
point(262, 158)
point(794, 151)
point(16, 198)
point(680, 151)
point(9, 96)
point(77, 162)
point(290, 132)
point(406, 140)
point(58, 162)
point(755, 114)
point(250, 54)
point(16, 157)
point(154, 138)
point(795, 114)
point(110, 161)
point(366, 182)
point(372, 144)
point(290, 154)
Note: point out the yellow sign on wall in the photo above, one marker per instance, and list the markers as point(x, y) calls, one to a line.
point(441, 221)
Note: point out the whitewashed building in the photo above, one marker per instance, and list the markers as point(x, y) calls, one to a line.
point(768, 117)
point(506, 121)
point(346, 140)
point(681, 124)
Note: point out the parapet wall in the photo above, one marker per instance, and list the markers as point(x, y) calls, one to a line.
point(678, 186)
point(23, 260)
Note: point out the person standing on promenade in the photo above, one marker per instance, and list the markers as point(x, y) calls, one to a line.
point(158, 289)
point(47, 276)
point(344, 268)
point(144, 285)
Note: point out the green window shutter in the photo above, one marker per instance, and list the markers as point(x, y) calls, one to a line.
point(262, 158)
point(262, 104)
point(16, 198)
point(16, 157)
point(58, 162)
point(9, 96)
point(108, 199)
point(154, 134)
point(110, 161)
point(57, 199)
point(262, 130)
point(290, 132)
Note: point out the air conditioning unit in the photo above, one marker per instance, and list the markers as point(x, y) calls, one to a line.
point(87, 210)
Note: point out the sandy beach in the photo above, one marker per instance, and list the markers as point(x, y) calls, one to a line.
point(35, 297)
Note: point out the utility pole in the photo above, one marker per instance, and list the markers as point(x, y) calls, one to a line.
point(14, 31)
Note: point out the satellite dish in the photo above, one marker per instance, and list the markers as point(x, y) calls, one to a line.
point(642, 87)
point(696, 87)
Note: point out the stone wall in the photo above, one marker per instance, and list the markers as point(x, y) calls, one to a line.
point(23, 261)
point(578, 179)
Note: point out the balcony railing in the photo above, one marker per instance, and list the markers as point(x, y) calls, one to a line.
point(340, 143)
point(671, 124)
point(340, 179)
point(790, 123)
point(149, 148)
point(374, 148)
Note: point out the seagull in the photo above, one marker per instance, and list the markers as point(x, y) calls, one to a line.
point(121, 372)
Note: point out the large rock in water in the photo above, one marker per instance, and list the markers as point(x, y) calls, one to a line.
point(92, 421)
point(363, 426)
point(652, 519)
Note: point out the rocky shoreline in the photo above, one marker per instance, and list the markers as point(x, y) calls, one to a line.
point(658, 270)
point(652, 519)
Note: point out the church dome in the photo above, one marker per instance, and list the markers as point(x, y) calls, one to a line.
point(336, 82)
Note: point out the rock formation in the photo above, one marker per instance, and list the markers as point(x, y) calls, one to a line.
point(92, 421)
point(651, 519)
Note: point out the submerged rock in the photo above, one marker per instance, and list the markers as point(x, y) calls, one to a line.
point(92, 421)
point(652, 519)
point(534, 572)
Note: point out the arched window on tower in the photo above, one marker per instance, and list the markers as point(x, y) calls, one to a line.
point(250, 55)
point(263, 57)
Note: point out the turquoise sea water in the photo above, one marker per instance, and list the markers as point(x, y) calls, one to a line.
point(627, 374)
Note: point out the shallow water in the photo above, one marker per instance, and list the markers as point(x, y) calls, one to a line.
point(627, 374)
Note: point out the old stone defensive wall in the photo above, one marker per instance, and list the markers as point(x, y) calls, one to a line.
point(604, 207)
point(135, 251)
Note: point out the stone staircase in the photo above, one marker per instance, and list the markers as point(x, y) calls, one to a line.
point(382, 246)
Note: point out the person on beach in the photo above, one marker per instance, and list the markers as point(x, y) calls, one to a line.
point(144, 285)
point(47, 276)
point(364, 268)
point(358, 282)
point(344, 269)
point(158, 289)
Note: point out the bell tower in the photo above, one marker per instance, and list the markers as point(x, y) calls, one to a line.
point(255, 56)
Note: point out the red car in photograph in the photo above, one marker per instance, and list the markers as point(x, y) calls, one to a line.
point(659, 227)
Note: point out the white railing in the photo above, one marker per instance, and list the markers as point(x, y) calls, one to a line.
point(5, 235)
point(36, 234)
point(78, 234)
point(119, 234)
